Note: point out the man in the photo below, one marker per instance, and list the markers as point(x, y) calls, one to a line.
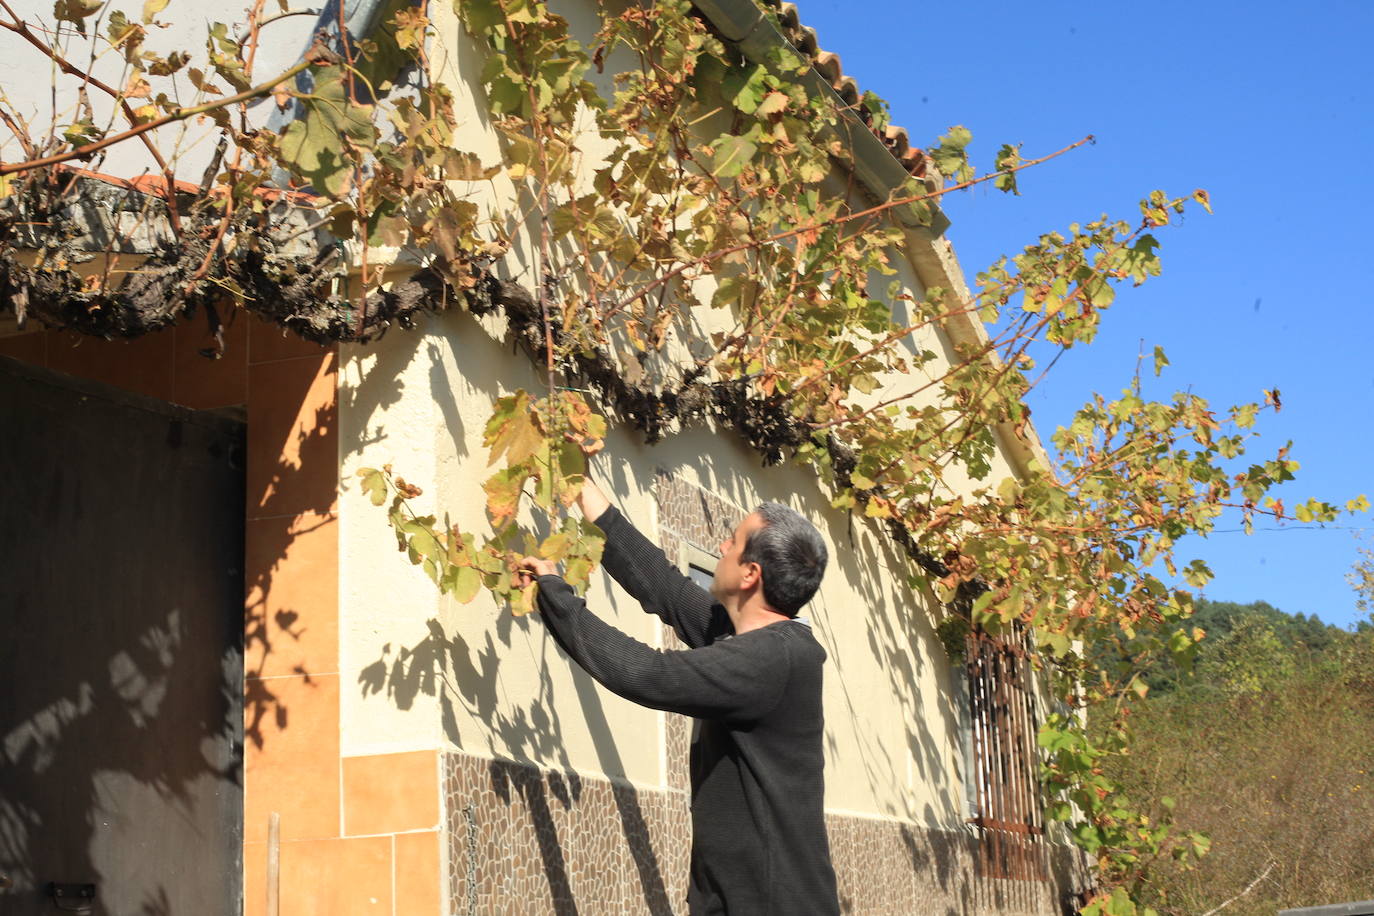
point(752, 678)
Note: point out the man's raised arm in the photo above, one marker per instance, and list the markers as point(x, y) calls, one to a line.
point(734, 679)
point(641, 568)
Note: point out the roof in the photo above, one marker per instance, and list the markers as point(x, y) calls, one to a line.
point(156, 186)
point(828, 65)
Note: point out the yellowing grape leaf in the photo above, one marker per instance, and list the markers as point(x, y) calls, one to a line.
point(513, 430)
point(503, 493)
point(463, 582)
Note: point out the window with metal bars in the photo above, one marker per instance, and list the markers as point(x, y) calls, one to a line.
point(1002, 757)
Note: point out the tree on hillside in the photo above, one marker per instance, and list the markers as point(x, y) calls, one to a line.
point(1306, 631)
point(713, 188)
point(1251, 659)
point(1361, 579)
point(1238, 636)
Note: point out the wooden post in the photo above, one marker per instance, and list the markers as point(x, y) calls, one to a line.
point(273, 864)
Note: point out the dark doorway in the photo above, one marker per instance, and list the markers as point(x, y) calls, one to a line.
point(121, 649)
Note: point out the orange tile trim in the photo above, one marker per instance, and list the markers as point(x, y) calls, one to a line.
point(390, 793)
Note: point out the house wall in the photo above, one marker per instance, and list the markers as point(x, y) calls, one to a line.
point(430, 757)
point(29, 79)
point(558, 795)
point(475, 769)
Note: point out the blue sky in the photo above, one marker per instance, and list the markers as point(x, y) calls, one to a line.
point(1268, 106)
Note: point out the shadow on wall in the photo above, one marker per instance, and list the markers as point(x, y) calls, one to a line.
point(897, 657)
point(461, 672)
point(464, 678)
point(943, 853)
point(290, 625)
point(537, 802)
point(291, 621)
point(900, 637)
point(126, 692)
point(121, 521)
point(552, 841)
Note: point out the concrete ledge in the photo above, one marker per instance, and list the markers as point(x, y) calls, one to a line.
point(1363, 908)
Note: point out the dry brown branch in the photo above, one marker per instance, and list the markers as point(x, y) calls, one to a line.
point(1248, 888)
point(839, 220)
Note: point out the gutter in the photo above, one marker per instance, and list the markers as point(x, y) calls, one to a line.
point(743, 24)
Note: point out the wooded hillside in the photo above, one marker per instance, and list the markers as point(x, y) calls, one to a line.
point(1267, 746)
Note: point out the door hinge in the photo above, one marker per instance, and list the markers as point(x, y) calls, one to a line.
point(72, 898)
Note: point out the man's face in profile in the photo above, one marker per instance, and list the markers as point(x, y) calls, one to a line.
point(729, 570)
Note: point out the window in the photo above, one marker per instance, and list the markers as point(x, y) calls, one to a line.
point(699, 565)
point(700, 576)
point(1002, 764)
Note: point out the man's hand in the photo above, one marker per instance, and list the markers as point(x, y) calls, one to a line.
point(532, 568)
point(591, 500)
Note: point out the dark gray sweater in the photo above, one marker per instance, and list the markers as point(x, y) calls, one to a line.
point(758, 829)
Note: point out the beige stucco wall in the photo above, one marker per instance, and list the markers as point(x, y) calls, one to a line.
point(492, 684)
point(506, 694)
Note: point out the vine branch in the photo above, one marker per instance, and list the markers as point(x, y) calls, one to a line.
point(317, 56)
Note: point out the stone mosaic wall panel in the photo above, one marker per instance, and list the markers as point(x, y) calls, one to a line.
point(529, 841)
point(525, 840)
point(696, 515)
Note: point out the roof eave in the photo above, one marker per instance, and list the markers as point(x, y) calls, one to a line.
point(743, 24)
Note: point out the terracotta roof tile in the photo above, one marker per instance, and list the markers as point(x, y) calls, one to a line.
point(156, 186)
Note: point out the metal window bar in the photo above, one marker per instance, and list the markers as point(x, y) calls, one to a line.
point(1009, 814)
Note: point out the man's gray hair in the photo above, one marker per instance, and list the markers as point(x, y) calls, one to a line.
point(792, 555)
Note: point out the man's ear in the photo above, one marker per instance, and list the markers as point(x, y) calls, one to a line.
point(751, 576)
